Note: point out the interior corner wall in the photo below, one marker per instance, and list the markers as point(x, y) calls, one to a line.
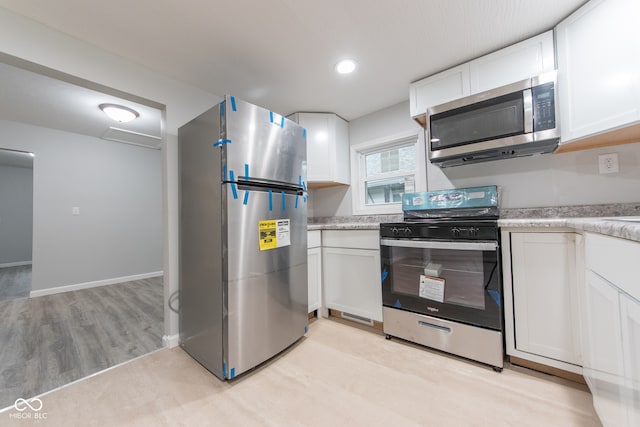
point(16, 212)
point(118, 190)
point(393, 120)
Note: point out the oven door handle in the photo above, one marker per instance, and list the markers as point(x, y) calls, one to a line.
point(423, 244)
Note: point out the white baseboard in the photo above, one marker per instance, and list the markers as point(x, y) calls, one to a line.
point(15, 264)
point(171, 341)
point(87, 285)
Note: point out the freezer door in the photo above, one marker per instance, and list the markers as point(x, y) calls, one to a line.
point(265, 275)
point(266, 145)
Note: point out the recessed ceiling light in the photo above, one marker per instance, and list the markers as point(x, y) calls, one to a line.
point(119, 113)
point(346, 66)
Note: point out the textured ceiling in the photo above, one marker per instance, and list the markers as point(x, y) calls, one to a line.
point(281, 53)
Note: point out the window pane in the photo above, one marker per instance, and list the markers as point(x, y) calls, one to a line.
point(385, 190)
point(395, 160)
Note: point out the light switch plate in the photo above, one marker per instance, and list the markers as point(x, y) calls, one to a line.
point(75, 210)
point(608, 163)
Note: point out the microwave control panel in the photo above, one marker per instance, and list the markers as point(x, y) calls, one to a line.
point(544, 108)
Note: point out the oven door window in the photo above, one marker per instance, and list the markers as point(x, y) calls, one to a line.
point(460, 285)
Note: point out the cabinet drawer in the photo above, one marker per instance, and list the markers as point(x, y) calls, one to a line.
point(357, 239)
point(314, 239)
point(617, 260)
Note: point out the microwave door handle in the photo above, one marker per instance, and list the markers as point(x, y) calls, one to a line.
point(528, 111)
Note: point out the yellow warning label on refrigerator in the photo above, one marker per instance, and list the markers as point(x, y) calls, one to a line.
point(268, 238)
point(274, 233)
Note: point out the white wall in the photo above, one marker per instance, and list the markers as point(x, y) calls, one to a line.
point(118, 189)
point(16, 211)
point(394, 120)
point(537, 181)
point(551, 179)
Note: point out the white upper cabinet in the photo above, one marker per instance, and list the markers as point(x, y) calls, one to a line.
point(511, 64)
point(514, 63)
point(438, 89)
point(599, 71)
point(327, 148)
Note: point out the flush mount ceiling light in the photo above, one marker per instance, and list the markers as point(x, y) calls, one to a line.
point(346, 66)
point(119, 113)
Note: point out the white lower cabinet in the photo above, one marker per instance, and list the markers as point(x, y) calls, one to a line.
point(351, 272)
point(611, 328)
point(314, 269)
point(630, 317)
point(541, 317)
point(603, 361)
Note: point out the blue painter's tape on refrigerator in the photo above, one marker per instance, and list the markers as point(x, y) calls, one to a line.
point(282, 122)
point(397, 304)
point(222, 108)
point(296, 205)
point(224, 369)
point(271, 116)
point(233, 184)
point(222, 142)
point(306, 329)
point(270, 200)
point(300, 180)
point(233, 373)
point(385, 273)
point(233, 103)
point(224, 173)
point(246, 197)
point(284, 206)
point(246, 172)
point(304, 132)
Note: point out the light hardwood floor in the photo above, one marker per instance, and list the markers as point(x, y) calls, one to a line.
point(337, 375)
point(49, 341)
point(15, 282)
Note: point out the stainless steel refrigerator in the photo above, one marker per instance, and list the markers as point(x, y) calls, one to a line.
point(243, 236)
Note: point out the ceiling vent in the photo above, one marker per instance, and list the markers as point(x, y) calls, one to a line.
point(131, 137)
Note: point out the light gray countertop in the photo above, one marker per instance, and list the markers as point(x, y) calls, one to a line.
point(623, 227)
point(345, 226)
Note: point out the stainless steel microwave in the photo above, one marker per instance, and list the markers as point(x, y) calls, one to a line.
point(519, 119)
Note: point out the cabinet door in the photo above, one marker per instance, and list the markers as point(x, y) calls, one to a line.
point(351, 279)
point(603, 355)
point(514, 63)
point(630, 316)
point(438, 89)
point(314, 269)
point(327, 148)
point(545, 316)
point(319, 148)
point(598, 65)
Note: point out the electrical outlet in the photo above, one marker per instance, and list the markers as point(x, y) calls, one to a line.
point(608, 163)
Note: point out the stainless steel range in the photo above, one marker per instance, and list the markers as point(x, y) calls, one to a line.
point(441, 275)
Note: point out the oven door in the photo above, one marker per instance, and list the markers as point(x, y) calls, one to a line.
point(458, 281)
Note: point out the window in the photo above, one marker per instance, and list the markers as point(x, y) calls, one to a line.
point(382, 171)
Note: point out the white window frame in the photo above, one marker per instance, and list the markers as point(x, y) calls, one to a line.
point(358, 170)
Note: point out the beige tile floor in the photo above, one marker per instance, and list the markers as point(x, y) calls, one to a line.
point(337, 375)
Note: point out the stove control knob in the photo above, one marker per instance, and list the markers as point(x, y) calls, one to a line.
point(395, 231)
point(473, 232)
point(455, 232)
point(407, 231)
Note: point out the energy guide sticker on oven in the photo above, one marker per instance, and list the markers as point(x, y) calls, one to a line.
point(431, 288)
point(274, 233)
